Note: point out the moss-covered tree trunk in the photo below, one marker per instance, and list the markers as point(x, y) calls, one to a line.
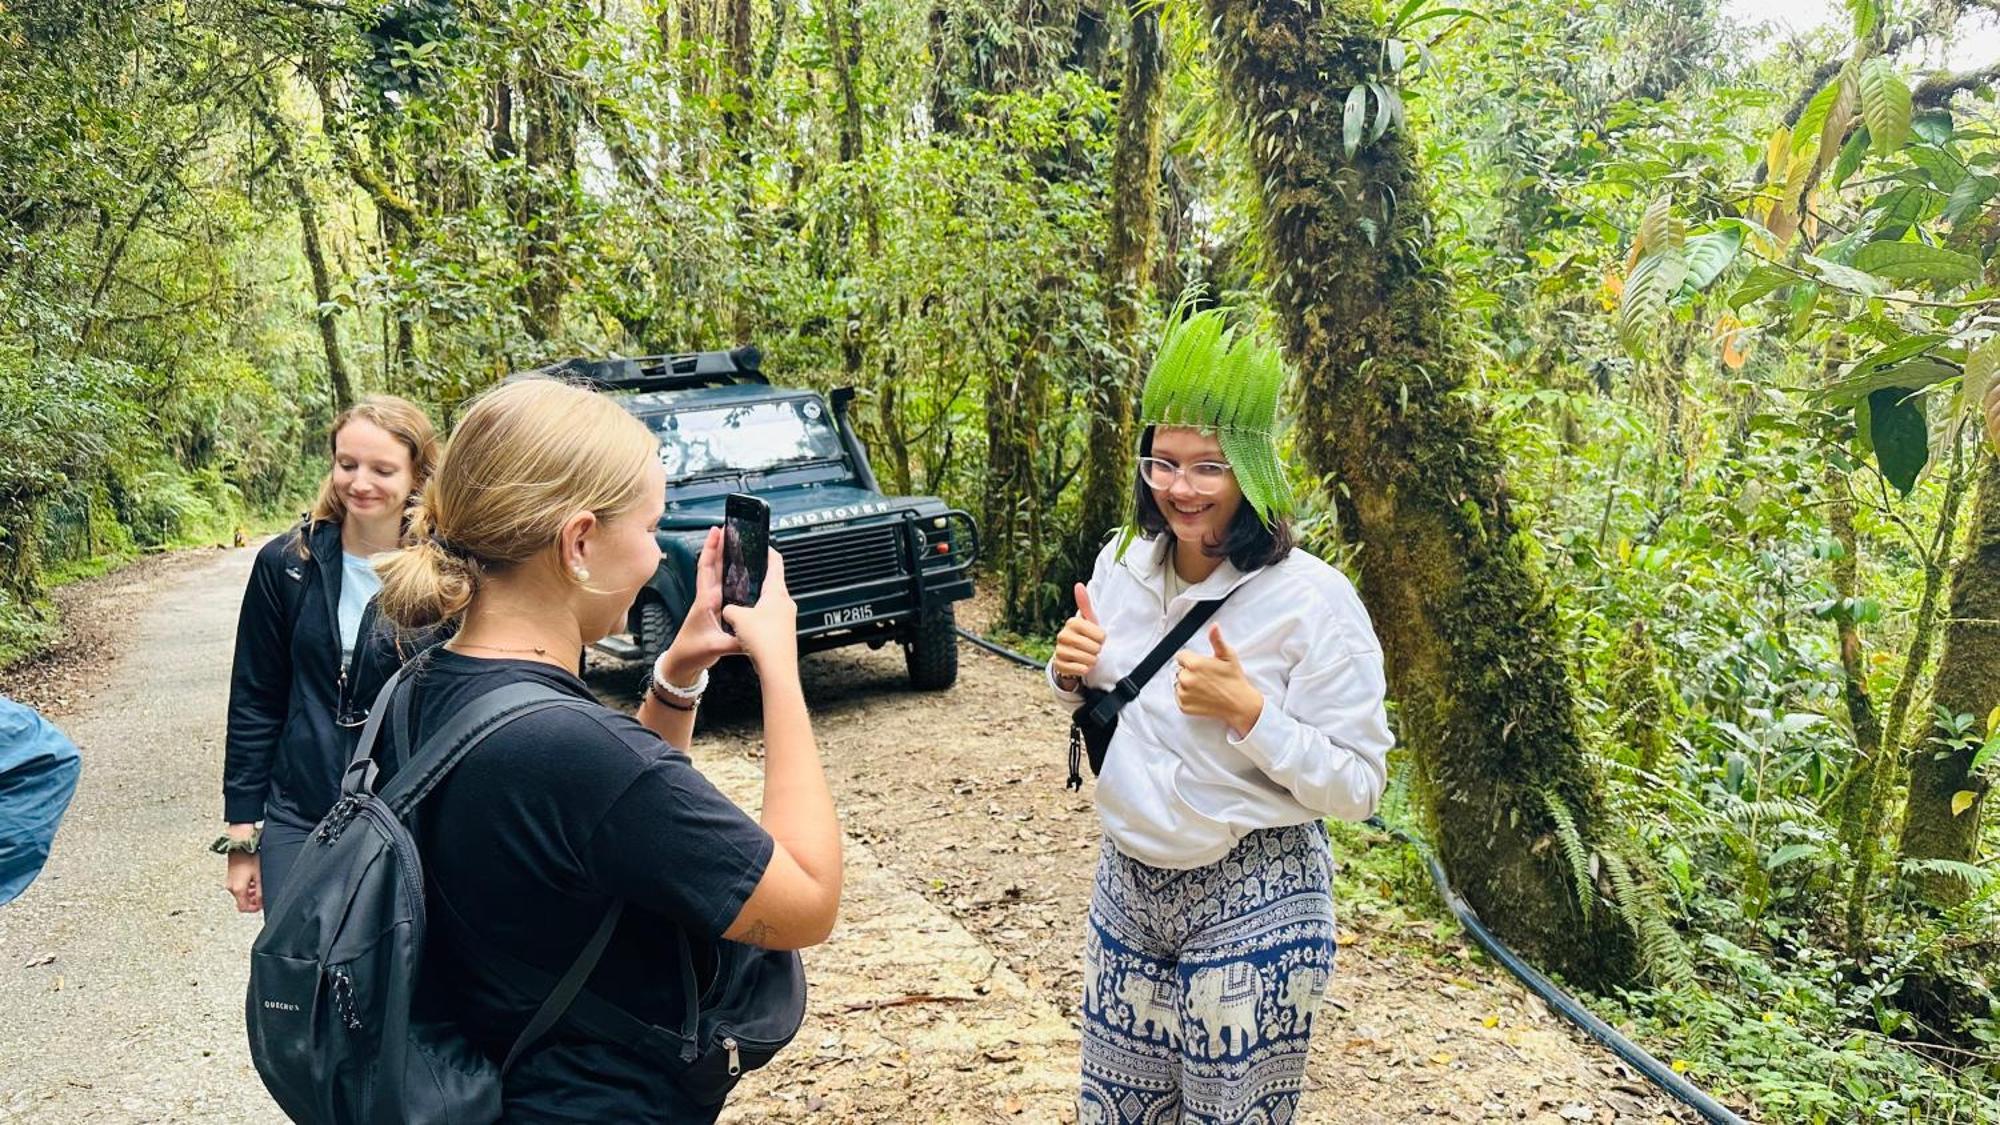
point(1135, 227)
point(841, 25)
point(1967, 683)
point(1862, 717)
point(286, 162)
point(1474, 658)
point(1866, 788)
point(544, 205)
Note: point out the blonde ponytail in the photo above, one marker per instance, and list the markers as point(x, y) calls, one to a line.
point(425, 582)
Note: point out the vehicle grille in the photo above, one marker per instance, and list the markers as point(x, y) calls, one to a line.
point(821, 559)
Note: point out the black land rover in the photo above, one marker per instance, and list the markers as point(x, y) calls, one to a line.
point(864, 567)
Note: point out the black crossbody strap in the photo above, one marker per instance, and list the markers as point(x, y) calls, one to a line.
point(558, 1001)
point(1128, 688)
point(601, 1018)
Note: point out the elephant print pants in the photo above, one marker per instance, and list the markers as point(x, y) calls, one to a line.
point(1199, 985)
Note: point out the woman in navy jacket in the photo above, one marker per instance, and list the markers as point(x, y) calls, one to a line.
point(311, 651)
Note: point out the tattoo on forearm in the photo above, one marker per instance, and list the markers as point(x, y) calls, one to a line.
point(759, 932)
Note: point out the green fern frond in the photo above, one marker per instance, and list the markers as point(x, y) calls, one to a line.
point(1773, 811)
point(1226, 380)
point(1974, 877)
point(1662, 954)
point(1573, 847)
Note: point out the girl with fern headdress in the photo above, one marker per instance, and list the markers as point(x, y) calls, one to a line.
point(1211, 930)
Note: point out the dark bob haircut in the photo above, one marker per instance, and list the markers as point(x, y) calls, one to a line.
point(1248, 545)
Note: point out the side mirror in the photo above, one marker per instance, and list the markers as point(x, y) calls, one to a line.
point(843, 398)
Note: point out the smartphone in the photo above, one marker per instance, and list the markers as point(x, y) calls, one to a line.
point(746, 543)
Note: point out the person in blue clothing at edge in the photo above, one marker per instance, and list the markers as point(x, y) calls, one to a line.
point(1210, 935)
point(311, 649)
point(535, 535)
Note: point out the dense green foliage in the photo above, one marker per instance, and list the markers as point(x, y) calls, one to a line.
point(1726, 304)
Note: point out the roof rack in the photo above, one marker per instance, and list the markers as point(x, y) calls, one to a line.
point(662, 372)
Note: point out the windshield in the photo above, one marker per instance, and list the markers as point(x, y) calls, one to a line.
point(747, 438)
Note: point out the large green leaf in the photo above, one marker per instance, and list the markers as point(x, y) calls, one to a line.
point(1660, 229)
point(1708, 255)
point(1903, 378)
point(1814, 118)
point(1971, 193)
point(1901, 438)
point(1656, 278)
point(1847, 277)
point(1867, 16)
point(1851, 154)
point(1899, 209)
point(1914, 261)
point(1933, 125)
point(1788, 854)
point(1760, 282)
point(1352, 117)
point(1944, 170)
point(1885, 104)
point(1805, 297)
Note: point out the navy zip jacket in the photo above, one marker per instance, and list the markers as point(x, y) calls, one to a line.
point(295, 712)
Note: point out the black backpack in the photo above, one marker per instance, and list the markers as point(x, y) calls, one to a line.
point(335, 1031)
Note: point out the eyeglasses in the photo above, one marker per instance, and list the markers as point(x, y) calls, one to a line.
point(1205, 477)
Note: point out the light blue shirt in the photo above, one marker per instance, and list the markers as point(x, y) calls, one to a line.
point(358, 584)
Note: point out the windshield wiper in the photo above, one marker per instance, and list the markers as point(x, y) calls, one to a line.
point(712, 474)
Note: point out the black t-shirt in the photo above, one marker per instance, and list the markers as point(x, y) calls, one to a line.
point(531, 838)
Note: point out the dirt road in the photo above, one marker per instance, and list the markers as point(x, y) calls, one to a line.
point(948, 992)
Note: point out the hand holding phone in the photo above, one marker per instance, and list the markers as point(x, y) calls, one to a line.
point(746, 543)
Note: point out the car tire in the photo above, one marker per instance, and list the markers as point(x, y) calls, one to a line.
point(932, 649)
point(656, 627)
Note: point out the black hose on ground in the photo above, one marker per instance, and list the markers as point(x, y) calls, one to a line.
point(1659, 1073)
point(999, 650)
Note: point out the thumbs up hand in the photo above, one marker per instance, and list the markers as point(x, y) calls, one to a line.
point(1079, 643)
point(1215, 687)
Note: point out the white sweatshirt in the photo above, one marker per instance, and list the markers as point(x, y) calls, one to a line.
point(1179, 791)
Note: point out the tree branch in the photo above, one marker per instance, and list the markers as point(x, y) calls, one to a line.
point(1937, 90)
point(382, 193)
point(1894, 42)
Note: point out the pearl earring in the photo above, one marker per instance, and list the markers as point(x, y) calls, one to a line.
point(582, 573)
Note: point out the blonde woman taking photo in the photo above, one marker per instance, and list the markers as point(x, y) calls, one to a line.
point(536, 534)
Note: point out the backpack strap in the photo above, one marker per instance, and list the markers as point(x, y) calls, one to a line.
point(441, 752)
point(585, 1010)
point(567, 989)
point(1128, 688)
point(361, 772)
point(421, 770)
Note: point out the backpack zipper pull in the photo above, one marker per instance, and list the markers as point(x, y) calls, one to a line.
point(343, 999)
point(337, 819)
point(735, 1060)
